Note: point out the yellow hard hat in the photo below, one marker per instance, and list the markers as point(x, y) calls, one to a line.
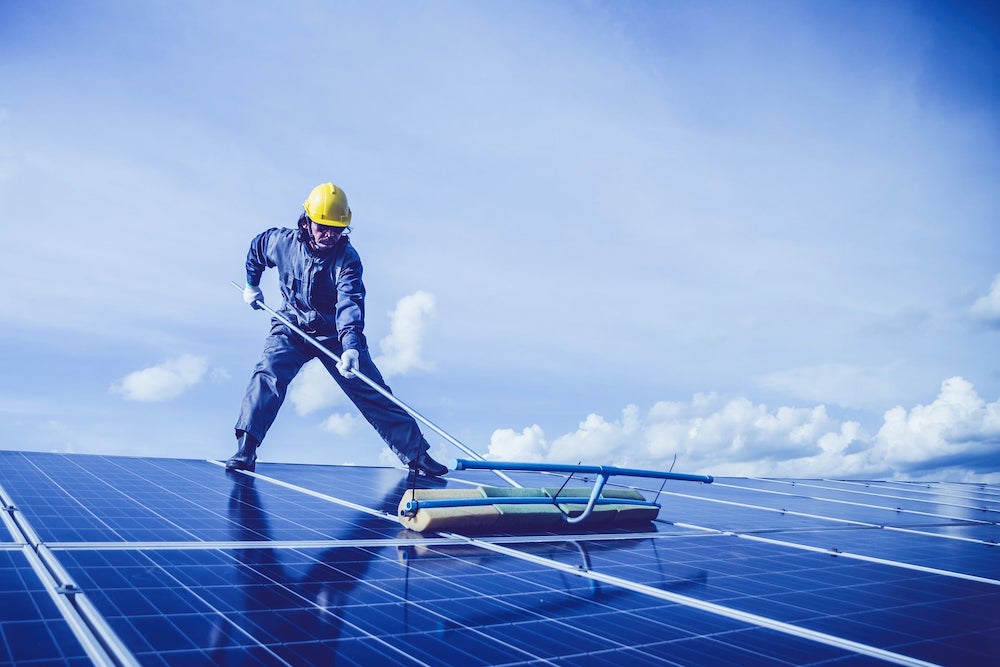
point(327, 205)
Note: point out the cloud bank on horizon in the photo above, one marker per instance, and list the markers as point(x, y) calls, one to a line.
point(739, 438)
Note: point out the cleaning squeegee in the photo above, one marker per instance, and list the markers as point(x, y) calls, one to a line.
point(487, 508)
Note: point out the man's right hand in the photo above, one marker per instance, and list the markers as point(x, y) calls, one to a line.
point(252, 294)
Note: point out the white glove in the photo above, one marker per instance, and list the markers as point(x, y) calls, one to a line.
point(348, 363)
point(252, 293)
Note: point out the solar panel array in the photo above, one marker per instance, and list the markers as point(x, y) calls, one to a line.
point(120, 560)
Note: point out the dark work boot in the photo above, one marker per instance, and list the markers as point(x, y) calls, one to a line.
point(425, 465)
point(245, 457)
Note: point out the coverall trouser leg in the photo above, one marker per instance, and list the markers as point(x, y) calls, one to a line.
point(398, 429)
point(284, 355)
point(279, 363)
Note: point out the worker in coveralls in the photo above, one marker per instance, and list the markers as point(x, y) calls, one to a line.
point(320, 275)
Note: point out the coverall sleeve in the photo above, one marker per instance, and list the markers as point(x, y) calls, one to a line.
point(258, 257)
point(351, 303)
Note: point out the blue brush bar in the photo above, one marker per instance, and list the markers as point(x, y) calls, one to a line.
point(413, 505)
point(606, 471)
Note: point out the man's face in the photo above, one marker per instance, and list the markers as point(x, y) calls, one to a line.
point(325, 236)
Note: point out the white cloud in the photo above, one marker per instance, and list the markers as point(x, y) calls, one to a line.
point(508, 445)
point(736, 437)
point(342, 424)
point(987, 308)
point(163, 381)
point(957, 425)
point(956, 437)
point(401, 349)
point(314, 389)
point(597, 439)
point(219, 375)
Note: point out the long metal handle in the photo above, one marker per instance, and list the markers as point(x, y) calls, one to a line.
point(377, 387)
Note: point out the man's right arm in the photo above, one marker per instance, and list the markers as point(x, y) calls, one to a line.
point(258, 259)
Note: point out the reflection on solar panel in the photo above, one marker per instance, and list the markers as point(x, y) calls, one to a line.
point(158, 561)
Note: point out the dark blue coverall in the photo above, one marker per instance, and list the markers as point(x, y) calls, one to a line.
point(324, 296)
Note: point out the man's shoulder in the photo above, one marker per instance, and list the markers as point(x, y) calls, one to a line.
point(350, 253)
point(281, 235)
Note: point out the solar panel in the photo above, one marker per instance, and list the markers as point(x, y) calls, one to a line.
point(163, 561)
point(32, 629)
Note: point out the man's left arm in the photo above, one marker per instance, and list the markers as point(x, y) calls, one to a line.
point(351, 303)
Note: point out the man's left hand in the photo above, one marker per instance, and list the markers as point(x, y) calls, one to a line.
point(348, 363)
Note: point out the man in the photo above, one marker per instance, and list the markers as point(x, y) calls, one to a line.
point(320, 276)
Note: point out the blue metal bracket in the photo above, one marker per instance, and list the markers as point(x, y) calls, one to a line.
point(466, 464)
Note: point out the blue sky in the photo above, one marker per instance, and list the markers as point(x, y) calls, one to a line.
point(760, 236)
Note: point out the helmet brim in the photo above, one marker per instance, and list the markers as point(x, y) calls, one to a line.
point(330, 223)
